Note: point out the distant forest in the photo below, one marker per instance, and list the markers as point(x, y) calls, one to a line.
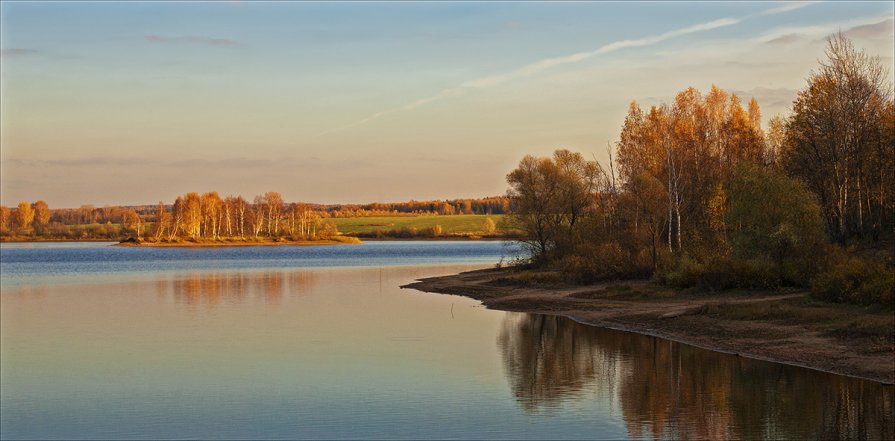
point(209, 216)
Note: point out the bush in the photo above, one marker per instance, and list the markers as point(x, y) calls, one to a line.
point(684, 273)
point(856, 281)
point(741, 273)
point(403, 232)
point(608, 261)
point(722, 274)
point(433, 231)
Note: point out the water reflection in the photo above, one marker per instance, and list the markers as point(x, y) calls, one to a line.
point(670, 390)
point(208, 290)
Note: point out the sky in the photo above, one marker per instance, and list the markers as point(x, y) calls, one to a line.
point(136, 102)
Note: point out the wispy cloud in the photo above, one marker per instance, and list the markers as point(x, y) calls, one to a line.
point(16, 52)
point(884, 28)
point(769, 97)
point(231, 163)
point(792, 6)
point(862, 27)
point(785, 39)
point(549, 63)
point(210, 41)
point(102, 162)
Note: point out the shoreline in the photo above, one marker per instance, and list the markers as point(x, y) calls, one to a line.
point(117, 242)
point(437, 239)
point(705, 320)
point(58, 240)
point(301, 243)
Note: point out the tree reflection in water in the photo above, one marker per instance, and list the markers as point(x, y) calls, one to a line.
point(671, 390)
point(210, 289)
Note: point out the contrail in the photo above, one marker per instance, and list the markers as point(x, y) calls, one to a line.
point(538, 66)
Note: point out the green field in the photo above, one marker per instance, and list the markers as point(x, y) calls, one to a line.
point(459, 224)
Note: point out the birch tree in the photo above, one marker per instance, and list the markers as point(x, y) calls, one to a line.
point(837, 141)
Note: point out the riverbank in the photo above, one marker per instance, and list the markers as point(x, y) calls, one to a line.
point(42, 240)
point(783, 327)
point(440, 238)
point(204, 244)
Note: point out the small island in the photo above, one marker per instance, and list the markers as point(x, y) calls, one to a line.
point(233, 242)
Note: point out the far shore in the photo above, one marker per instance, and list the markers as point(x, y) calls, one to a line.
point(782, 327)
point(186, 243)
point(41, 240)
point(204, 244)
point(439, 238)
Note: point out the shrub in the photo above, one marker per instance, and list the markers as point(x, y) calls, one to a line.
point(741, 273)
point(856, 281)
point(326, 230)
point(683, 273)
point(433, 231)
point(608, 261)
point(403, 232)
point(722, 274)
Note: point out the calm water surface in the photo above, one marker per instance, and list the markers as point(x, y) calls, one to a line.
point(320, 342)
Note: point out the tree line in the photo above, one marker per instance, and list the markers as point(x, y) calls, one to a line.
point(193, 216)
point(696, 193)
point(487, 205)
point(209, 216)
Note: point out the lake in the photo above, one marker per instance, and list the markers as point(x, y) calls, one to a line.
point(320, 342)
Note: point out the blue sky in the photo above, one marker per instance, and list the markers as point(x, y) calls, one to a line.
point(127, 103)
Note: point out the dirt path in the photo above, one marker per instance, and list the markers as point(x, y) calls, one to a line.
point(718, 321)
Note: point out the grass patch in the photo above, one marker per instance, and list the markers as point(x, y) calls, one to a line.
point(458, 224)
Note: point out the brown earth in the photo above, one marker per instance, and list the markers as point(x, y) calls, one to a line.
point(784, 327)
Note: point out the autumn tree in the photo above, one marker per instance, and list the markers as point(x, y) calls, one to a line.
point(772, 217)
point(41, 214)
point(839, 140)
point(237, 207)
point(775, 139)
point(132, 220)
point(467, 206)
point(24, 215)
point(273, 207)
point(87, 214)
point(192, 215)
point(689, 146)
point(256, 217)
point(228, 209)
point(211, 214)
point(162, 221)
point(550, 196)
point(178, 218)
point(5, 217)
point(642, 210)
